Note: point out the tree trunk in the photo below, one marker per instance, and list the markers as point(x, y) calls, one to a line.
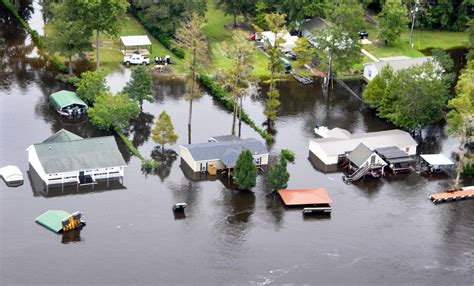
point(97, 50)
point(189, 120)
point(162, 151)
point(70, 65)
point(234, 25)
point(234, 115)
point(240, 117)
point(193, 74)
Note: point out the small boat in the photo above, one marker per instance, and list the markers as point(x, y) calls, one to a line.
point(179, 207)
point(12, 175)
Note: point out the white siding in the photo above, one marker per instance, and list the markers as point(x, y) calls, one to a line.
point(186, 156)
point(35, 162)
point(318, 152)
point(370, 71)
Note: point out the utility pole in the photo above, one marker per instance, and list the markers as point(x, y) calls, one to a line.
point(413, 12)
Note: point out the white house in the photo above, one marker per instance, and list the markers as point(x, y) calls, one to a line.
point(325, 152)
point(289, 41)
point(397, 63)
point(221, 152)
point(68, 158)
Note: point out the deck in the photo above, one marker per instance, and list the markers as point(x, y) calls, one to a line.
point(452, 196)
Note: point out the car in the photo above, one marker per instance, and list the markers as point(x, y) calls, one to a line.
point(290, 55)
point(136, 59)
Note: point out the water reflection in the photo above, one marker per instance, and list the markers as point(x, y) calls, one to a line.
point(141, 128)
point(166, 161)
point(72, 236)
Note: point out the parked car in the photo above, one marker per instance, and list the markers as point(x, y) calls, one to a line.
point(363, 35)
point(136, 59)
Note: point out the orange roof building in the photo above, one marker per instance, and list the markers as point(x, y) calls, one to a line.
point(299, 197)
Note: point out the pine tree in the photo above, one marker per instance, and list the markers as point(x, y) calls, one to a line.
point(140, 87)
point(245, 171)
point(163, 132)
point(278, 176)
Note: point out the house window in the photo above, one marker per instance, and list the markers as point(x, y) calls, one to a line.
point(372, 159)
point(258, 161)
point(407, 149)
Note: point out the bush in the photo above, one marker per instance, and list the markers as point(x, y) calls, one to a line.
point(150, 164)
point(288, 155)
point(219, 94)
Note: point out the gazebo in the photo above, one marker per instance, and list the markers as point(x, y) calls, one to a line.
point(140, 43)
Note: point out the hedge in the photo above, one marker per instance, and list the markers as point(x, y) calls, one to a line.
point(219, 94)
point(37, 39)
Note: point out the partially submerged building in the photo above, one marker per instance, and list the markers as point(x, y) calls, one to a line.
point(221, 152)
point(397, 63)
point(66, 158)
point(326, 152)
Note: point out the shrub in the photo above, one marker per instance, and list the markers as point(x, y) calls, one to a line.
point(150, 164)
point(288, 155)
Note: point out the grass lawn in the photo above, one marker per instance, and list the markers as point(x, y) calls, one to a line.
point(422, 40)
point(219, 36)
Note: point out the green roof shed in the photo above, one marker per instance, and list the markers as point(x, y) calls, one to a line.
point(65, 98)
point(52, 219)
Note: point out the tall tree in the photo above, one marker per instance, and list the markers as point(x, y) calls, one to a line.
point(393, 20)
point(375, 90)
point(102, 16)
point(298, 10)
point(91, 84)
point(278, 176)
point(446, 63)
point(348, 14)
point(303, 50)
point(191, 37)
point(140, 86)
point(236, 8)
point(68, 35)
point(461, 119)
point(163, 132)
point(276, 24)
point(245, 174)
point(113, 112)
point(239, 77)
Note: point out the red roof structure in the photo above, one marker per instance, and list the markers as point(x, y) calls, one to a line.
point(298, 197)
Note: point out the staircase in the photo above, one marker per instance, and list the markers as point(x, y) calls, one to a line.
point(359, 173)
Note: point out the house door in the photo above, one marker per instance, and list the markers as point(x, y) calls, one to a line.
point(81, 177)
point(203, 167)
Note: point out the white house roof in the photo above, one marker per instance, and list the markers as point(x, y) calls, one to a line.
point(436, 159)
point(11, 173)
point(333, 146)
point(399, 63)
point(133, 41)
point(289, 40)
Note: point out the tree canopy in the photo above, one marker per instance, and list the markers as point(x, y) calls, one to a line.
point(375, 90)
point(163, 132)
point(113, 112)
point(237, 7)
point(349, 15)
point(278, 176)
point(245, 171)
point(304, 51)
point(393, 20)
point(91, 84)
point(140, 86)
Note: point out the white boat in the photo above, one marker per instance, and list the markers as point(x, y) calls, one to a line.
point(11, 175)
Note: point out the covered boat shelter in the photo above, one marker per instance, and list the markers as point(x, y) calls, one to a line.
point(140, 44)
point(435, 162)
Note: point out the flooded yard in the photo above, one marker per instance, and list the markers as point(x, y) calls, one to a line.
point(381, 231)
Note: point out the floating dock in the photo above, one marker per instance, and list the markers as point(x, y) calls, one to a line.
point(464, 193)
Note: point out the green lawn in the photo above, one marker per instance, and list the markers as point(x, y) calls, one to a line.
point(219, 36)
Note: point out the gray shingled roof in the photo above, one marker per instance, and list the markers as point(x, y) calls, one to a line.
point(79, 155)
point(225, 151)
point(61, 136)
point(360, 154)
point(225, 138)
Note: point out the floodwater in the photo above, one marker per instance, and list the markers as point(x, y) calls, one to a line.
point(383, 231)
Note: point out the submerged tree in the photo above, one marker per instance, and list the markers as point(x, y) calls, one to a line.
point(191, 37)
point(163, 132)
point(245, 171)
point(278, 176)
point(140, 86)
point(113, 112)
point(91, 84)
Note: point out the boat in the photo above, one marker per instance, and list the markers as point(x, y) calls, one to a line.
point(179, 207)
point(11, 175)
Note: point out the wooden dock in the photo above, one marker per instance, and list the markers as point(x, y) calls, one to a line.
point(463, 194)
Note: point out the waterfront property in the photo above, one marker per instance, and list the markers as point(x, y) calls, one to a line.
point(326, 152)
point(67, 103)
point(140, 44)
point(221, 152)
point(66, 158)
point(397, 160)
point(362, 161)
point(434, 163)
point(372, 69)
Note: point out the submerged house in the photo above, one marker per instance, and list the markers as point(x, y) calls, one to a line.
point(326, 152)
point(67, 103)
point(372, 69)
point(221, 152)
point(66, 158)
point(362, 161)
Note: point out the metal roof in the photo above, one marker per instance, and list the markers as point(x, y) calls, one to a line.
point(79, 155)
point(310, 26)
point(393, 155)
point(436, 159)
point(297, 197)
point(52, 219)
point(225, 151)
point(360, 154)
point(400, 63)
point(65, 98)
point(133, 41)
point(61, 136)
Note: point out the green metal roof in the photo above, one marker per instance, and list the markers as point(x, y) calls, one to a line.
point(65, 98)
point(62, 136)
point(52, 219)
point(79, 155)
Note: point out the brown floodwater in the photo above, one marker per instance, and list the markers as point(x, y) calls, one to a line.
point(382, 231)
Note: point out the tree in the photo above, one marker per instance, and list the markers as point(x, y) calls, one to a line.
point(102, 16)
point(415, 97)
point(113, 112)
point(461, 119)
point(278, 176)
point(375, 90)
point(68, 36)
point(349, 15)
point(303, 51)
point(239, 76)
point(245, 174)
point(276, 24)
point(236, 7)
point(91, 84)
point(470, 35)
point(446, 63)
point(140, 86)
point(341, 52)
point(163, 132)
point(299, 10)
point(191, 37)
point(392, 20)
